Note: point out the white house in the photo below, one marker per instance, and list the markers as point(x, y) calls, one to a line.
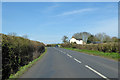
point(77, 41)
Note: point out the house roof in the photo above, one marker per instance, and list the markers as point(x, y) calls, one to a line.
point(78, 39)
point(73, 37)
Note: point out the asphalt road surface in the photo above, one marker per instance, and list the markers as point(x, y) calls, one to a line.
point(62, 63)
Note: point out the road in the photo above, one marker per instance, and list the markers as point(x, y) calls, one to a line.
point(62, 63)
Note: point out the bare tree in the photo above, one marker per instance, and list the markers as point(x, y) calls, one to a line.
point(83, 35)
point(107, 38)
point(65, 39)
point(78, 35)
point(100, 36)
point(12, 34)
point(25, 36)
point(103, 37)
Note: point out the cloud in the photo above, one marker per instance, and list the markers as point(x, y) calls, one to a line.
point(54, 6)
point(76, 11)
point(51, 8)
point(108, 26)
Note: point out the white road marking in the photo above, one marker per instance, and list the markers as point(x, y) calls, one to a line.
point(77, 60)
point(60, 51)
point(86, 66)
point(97, 72)
point(69, 55)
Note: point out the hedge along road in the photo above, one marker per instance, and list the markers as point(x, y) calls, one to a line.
point(62, 63)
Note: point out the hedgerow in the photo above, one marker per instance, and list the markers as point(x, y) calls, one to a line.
point(17, 52)
point(103, 47)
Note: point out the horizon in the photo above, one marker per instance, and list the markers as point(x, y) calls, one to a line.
point(49, 22)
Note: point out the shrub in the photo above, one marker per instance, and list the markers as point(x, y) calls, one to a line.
point(104, 47)
point(17, 52)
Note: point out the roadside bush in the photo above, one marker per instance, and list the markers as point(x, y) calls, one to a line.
point(103, 47)
point(17, 52)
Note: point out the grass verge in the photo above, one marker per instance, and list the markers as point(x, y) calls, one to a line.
point(26, 67)
point(113, 56)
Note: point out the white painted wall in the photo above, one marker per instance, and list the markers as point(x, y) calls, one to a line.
point(77, 41)
point(72, 40)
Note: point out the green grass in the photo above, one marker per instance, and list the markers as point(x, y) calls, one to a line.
point(26, 67)
point(114, 56)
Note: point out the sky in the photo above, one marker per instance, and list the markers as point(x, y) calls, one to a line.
point(48, 22)
point(60, 0)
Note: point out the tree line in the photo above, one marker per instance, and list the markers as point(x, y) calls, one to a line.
point(90, 38)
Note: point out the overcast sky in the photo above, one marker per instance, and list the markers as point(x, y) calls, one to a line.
point(48, 22)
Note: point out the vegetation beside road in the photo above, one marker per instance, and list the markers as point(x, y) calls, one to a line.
point(26, 67)
point(89, 38)
point(108, 50)
point(103, 47)
point(17, 52)
point(114, 56)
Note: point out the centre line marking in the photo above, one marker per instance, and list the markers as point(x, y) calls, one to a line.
point(97, 72)
point(77, 60)
point(61, 51)
point(69, 55)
